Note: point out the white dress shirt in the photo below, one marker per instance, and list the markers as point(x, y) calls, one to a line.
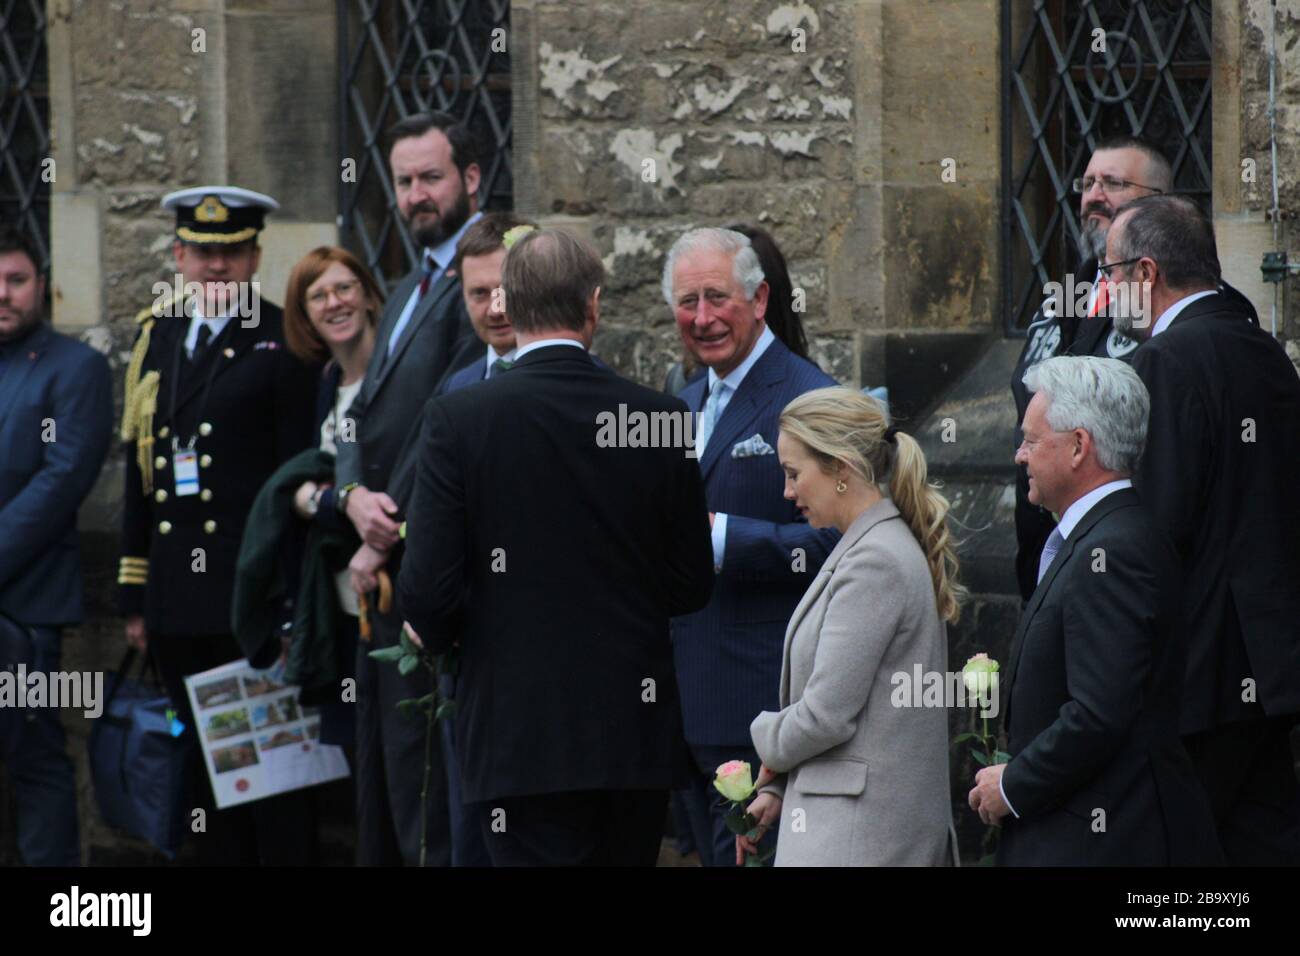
point(543, 343)
point(1073, 515)
point(730, 382)
point(1171, 313)
point(197, 319)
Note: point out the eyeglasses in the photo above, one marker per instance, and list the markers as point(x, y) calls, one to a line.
point(1105, 267)
point(343, 290)
point(1109, 184)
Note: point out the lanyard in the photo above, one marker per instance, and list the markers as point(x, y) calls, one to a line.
point(207, 386)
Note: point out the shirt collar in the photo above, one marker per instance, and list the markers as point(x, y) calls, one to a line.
point(445, 252)
point(543, 343)
point(737, 374)
point(492, 356)
point(1168, 315)
point(1074, 514)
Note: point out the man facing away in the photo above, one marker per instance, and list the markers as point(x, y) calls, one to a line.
point(1097, 775)
point(1220, 476)
point(568, 727)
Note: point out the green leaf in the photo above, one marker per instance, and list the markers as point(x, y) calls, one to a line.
point(962, 738)
point(445, 710)
point(738, 821)
point(406, 643)
point(980, 758)
point(1001, 756)
point(408, 708)
point(388, 654)
point(407, 664)
point(990, 859)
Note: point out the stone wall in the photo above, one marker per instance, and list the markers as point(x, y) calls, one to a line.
point(827, 124)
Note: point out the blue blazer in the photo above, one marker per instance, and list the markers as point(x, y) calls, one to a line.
point(728, 656)
point(51, 387)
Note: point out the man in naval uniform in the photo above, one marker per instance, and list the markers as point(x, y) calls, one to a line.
point(215, 402)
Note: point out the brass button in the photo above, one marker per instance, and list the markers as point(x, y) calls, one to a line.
point(160, 495)
point(205, 461)
point(205, 429)
point(164, 432)
point(160, 462)
point(164, 527)
point(205, 494)
point(209, 526)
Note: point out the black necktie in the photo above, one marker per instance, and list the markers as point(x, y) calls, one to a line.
point(201, 343)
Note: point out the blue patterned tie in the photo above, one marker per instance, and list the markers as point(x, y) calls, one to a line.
point(1050, 548)
point(709, 417)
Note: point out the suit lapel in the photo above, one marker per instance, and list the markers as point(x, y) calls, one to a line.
point(745, 406)
point(425, 307)
point(21, 363)
point(1111, 502)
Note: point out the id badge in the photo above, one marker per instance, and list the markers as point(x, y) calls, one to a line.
point(186, 465)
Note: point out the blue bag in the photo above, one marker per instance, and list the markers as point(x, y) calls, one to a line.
point(16, 648)
point(138, 762)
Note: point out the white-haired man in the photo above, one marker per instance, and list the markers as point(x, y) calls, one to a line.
point(1097, 775)
point(765, 554)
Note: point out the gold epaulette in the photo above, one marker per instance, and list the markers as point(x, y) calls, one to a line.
point(141, 395)
point(133, 571)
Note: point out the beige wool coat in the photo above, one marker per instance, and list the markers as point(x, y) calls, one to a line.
point(864, 782)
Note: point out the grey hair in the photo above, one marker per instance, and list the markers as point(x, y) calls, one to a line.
point(1174, 232)
point(1104, 397)
point(745, 267)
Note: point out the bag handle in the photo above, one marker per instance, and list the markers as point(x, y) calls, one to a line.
point(147, 663)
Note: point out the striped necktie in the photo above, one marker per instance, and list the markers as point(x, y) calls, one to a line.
point(709, 417)
point(1050, 549)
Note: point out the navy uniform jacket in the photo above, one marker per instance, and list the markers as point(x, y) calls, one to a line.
point(1098, 774)
point(256, 416)
point(56, 422)
point(728, 655)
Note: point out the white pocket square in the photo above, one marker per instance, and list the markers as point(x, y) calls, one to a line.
point(751, 447)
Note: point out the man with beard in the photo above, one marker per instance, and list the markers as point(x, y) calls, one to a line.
point(1219, 475)
point(435, 164)
point(1122, 168)
point(56, 408)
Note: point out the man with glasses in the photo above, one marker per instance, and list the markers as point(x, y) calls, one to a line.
point(1122, 169)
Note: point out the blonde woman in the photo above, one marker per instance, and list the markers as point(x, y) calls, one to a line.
point(852, 779)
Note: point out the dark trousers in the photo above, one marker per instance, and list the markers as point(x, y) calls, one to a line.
point(391, 752)
point(1249, 775)
point(706, 809)
point(44, 781)
point(578, 828)
point(467, 846)
point(277, 831)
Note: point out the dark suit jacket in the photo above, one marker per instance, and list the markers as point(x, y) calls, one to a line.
point(1064, 335)
point(729, 654)
point(387, 409)
point(473, 373)
point(1092, 704)
point(259, 411)
point(557, 563)
point(1228, 499)
point(51, 377)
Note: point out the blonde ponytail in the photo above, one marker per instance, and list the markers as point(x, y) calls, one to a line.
point(926, 511)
